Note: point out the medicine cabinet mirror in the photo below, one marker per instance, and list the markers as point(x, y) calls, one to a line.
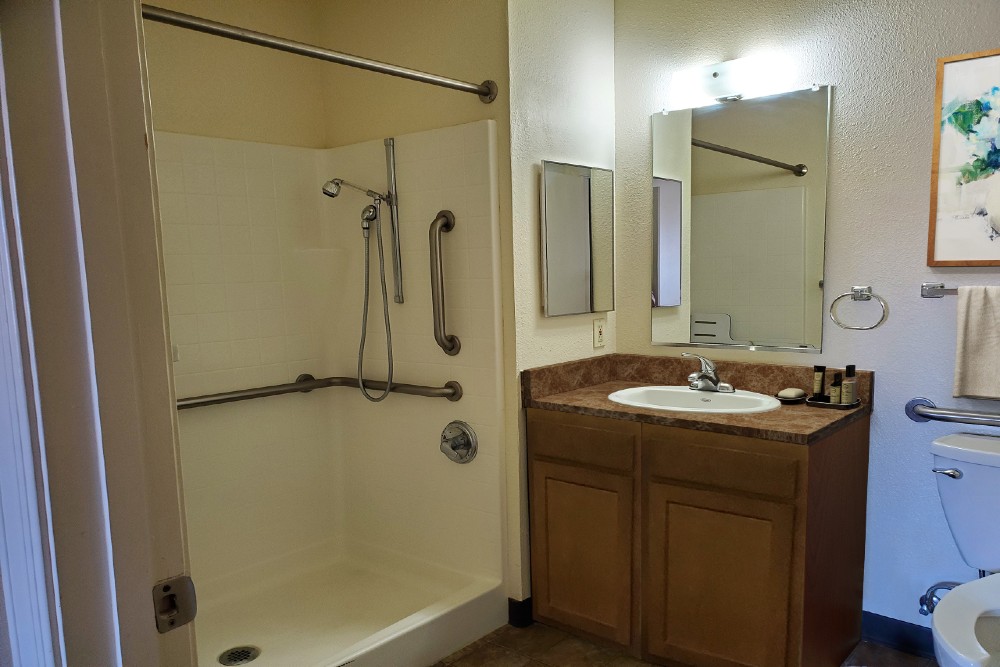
point(739, 223)
point(578, 266)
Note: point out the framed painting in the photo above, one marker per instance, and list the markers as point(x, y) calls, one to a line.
point(965, 173)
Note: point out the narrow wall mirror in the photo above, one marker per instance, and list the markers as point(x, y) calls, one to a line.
point(577, 239)
point(750, 205)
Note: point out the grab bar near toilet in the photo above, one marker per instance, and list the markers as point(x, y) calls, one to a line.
point(922, 409)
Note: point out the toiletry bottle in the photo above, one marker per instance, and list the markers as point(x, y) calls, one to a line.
point(835, 387)
point(819, 379)
point(849, 389)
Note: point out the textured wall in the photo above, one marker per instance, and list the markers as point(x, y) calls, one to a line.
point(562, 109)
point(880, 58)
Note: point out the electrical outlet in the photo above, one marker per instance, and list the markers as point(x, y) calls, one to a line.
point(599, 325)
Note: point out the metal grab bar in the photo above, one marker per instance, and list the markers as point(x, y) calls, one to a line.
point(305, 383)
point(797, 169)
point(444, 222)
point(921, 410)
point(487, 90)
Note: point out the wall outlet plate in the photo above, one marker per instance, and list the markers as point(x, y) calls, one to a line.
point(599, 325)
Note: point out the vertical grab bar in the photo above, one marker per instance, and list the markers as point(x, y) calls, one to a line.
point(444, 222)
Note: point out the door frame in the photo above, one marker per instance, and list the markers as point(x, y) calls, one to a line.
point(86, 209)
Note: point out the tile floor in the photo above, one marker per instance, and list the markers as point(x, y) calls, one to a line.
point(542, 646)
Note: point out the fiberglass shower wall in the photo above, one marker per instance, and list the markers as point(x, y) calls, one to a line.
point(264, 280)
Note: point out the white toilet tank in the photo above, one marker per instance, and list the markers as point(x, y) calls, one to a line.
point(972, 502)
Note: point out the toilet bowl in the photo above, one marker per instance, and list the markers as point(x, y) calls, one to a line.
point(956, 642)
point(966, 626)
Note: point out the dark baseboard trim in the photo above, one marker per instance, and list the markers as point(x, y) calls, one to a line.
point(519, 612)
point(900, 635)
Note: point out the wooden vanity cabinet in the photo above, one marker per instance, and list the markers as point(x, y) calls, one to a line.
point(582, 486)
point(747, 552)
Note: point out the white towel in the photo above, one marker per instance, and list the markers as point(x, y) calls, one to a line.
point(977, 354)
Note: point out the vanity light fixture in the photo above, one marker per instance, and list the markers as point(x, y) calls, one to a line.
point(744, 78)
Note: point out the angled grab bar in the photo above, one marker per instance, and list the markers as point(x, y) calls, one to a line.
point(444, 222)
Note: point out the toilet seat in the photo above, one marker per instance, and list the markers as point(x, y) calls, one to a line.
point(954, 623)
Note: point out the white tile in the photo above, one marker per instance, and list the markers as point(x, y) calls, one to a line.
point(175, 239)
point(237, 268)
point(205, 239)
point(199, 179)
point(213, 327)
point(243, 325)
point(228, 153)
point(263, 240)
point(261, 211)
point(233, 211)
point(246, 352)
point(241, 297)
point(169, 177)
point(271, 323)
point(173, 209)
point(235, 240)
point(196, 150)
point(266, 268)
point(211, 298)
point(216, 355)
point(202, 209)
point(272, 350)
point(230, 181)
point(184, 329)
point(260, 183)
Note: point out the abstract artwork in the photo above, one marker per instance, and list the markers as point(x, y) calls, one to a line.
point(965, 173)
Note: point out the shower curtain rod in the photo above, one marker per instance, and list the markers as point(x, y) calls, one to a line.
point(305, 383)
point(487, 90)
point(797, 169)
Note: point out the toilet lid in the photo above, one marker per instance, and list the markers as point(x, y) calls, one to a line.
point(981, 449)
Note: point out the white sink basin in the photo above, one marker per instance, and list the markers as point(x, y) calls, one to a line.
point(685, 399)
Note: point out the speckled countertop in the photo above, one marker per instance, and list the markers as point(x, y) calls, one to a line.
point(583, 386)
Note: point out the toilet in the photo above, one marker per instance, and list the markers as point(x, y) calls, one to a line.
point(966, 623)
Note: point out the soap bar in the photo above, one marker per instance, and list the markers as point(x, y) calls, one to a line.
point(791, 392)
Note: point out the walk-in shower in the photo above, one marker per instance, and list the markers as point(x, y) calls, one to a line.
point(323, 528)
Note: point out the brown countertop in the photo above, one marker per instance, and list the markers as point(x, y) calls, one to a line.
point(582, 387)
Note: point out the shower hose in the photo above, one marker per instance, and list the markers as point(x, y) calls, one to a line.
point(373, 213)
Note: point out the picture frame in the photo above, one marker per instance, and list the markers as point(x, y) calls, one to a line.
point(964, 226)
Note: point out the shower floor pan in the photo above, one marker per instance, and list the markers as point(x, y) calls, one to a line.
point(352, 612)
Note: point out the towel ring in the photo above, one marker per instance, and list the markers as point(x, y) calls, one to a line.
point(859, 293)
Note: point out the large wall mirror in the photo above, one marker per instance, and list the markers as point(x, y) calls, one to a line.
point(578, 265)
point(740, 219)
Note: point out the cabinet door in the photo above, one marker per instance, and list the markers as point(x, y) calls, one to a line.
point(581, 548)
point(716, 577)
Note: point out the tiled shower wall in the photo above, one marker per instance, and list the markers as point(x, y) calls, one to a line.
point(265, 279)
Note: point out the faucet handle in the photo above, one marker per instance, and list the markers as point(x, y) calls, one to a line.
point(706, 364)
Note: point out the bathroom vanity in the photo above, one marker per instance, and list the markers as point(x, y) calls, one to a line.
point(710, 540)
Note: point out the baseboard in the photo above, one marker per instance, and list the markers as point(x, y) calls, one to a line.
point(519, 612)
point(900, 635)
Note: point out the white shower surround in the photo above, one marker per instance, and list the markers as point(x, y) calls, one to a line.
point(265, 282)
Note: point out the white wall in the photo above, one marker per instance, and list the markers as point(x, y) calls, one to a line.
point(880, 58)
point(562, 109)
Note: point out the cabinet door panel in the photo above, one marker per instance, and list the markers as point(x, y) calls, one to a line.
point(581, 548)
point(717, 578)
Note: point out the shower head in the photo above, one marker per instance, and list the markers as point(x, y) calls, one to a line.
point(332, 188)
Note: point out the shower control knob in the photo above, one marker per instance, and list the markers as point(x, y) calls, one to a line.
point(459, 442)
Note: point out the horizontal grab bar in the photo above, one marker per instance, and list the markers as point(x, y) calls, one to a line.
point(305, 383)
point(922, 409)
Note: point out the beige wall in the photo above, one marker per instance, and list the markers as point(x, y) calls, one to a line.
point(215, 87)
point(880, 58)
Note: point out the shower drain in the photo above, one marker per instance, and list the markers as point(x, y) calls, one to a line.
point(239, 655)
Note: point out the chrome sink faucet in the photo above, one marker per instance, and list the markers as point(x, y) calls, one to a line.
point(707, 379)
